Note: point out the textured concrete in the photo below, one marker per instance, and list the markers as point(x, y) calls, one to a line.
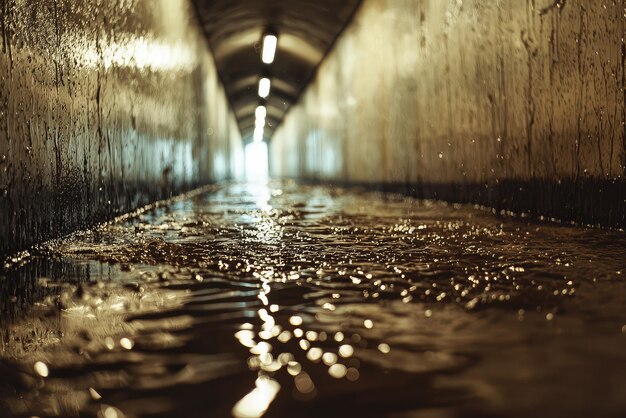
point(104, 106)
point(515, 104)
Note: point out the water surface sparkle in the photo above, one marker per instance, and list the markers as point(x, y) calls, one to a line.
point(277, 300)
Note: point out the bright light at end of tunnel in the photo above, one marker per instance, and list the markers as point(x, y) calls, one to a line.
point(269, 48)
point(258, 134)
point(260, 112)
point(259, 123)
point(264, 87)
point(256, 162)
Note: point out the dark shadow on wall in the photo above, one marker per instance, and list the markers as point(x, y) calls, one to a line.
point(585, 202)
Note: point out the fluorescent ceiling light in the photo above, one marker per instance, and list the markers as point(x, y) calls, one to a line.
point(269, 48)
point(264, 87)
point(260, 112)
point(259, 123)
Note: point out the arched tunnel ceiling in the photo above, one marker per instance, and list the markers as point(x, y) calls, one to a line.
point(306, 30)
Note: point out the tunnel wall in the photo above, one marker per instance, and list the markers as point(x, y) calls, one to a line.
point(518, 105)
point(104, 106)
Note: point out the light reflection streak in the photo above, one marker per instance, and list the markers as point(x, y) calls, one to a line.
point(268, 358)
point(256, 403)
point(141, 53)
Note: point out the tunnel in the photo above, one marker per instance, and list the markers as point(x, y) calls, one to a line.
point(312, 208)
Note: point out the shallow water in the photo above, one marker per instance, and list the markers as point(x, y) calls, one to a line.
point(316, 302)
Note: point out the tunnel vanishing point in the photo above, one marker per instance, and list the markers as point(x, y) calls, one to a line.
point(381, 208)
point(107, 106)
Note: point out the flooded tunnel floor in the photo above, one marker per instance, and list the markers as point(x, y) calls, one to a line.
point(316, 302)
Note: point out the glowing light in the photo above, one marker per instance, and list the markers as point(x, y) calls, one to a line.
point(140, 53)
point(264, 87)
point(109, 343)
point(256, 158)
point(294, 368)
point(256, 403)
point(284, 337)
point(266, 335)
point(261, 348)
point(285, 358)
point(346, 350)
point(258, 134)
point(337, 371)
point(259, 123)
point(269, 48)
point(127, 343)
point(329, 359)
point(260, 112)
point(94, 394)
point(314, 354)
point(295, 320)
point(41, 369)
point(110, 412)
point(384, 348)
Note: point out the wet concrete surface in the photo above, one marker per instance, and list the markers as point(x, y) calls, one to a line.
point(104, 107)
point(316, 302)
point(508, 103)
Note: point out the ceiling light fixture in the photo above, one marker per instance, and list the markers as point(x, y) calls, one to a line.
point(269, 48)
point(264, 87)
point(260, 112)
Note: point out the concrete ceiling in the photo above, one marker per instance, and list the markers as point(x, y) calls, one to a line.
point(306, 30)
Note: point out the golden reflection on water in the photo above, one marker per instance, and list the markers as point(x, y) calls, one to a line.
point(271, 300)
point(255, 403)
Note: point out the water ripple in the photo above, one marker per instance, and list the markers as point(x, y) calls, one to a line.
point(281, 300)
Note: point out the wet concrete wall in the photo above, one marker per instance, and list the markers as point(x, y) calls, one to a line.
point(104, 106)
point(518, 105)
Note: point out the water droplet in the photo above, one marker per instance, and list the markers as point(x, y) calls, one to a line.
point(384, 348)
point(329, 359)
point(337, 371)
point(41, 369)
point(109, 343)
point(346, 350)
point(314, 354)
point(127, 343)
point(294, 368)
point(295, 321)
point(304, 384)
point(352, 374)
point(94, 394)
